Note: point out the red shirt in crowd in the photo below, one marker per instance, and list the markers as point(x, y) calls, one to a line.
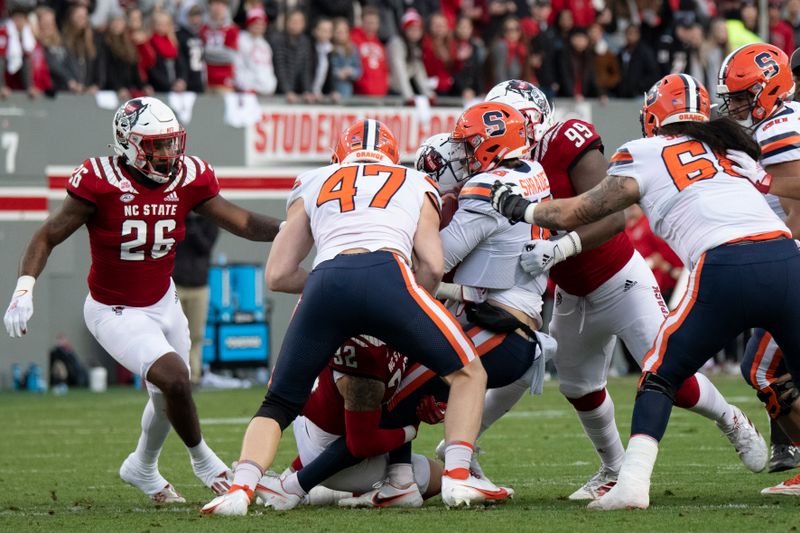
point(582, 11)
point(220, 74)
point(438, 67)
point(782, 36)
point(375, 78)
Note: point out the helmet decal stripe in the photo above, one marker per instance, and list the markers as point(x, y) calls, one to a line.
point(692, 93)
point(370, 134)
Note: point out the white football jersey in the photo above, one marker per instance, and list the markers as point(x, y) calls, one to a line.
point(363, 205)
point(779, 139)
point(691, 197)
point(487, 248)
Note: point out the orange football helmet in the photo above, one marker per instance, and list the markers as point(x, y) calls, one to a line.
point(366, 140)
point(754, 79)
point(674, 98)
point(488, 133)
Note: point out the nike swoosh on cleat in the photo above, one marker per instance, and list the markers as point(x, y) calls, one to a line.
point(380, 501)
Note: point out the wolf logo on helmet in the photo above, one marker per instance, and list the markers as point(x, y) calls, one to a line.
point(435, 158)
point(148, 136)
point(528, 100)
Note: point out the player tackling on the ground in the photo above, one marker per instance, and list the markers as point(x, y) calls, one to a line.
point(368, 217)
point(135, 205)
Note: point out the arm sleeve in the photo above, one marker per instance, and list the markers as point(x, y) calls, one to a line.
point(366, 439)
point(473, 222)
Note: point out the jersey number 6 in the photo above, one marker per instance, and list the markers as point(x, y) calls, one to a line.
point(341, 186)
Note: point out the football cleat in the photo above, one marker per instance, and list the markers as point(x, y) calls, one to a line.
point(216, 476)
point(624, 496)
point(747, 441)
point(386, 495)
point(235, 502)
point(465, 489)
point(783, 457)
point(270, 493)
point(789, 487)
point(597, 486)
point(151, 483)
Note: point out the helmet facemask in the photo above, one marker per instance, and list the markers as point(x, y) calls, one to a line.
point(741, 106)
point(159, 157)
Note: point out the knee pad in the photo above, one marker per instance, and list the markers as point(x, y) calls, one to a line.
point(281, 411)
point(655, 383)
point(778, 398)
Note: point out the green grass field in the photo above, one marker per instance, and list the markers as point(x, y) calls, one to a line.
point(59, 458)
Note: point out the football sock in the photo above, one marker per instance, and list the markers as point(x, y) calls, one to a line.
point(155, 428)
point(247, 474)
point(639, 460)
point(500, 401)
point(292, 486)
point(601, 427)
point(201, 453)
point(458, 455)
point(400, 474)
point(711, 404)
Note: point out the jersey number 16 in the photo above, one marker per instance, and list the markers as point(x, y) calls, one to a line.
point(341, 186)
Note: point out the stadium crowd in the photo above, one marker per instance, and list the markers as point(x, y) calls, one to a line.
point(312, 51)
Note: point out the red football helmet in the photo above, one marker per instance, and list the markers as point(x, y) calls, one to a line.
point(754, 82)
point(366, 140)
point(488, 133)
point(674, 98)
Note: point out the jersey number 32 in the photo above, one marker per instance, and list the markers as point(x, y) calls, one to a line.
point(341, 186)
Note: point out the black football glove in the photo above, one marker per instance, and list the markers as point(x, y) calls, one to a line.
point(508, 202)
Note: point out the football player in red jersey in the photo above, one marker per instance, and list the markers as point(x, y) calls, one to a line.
point(343, 414)
point(605, 291)
point(135, 205)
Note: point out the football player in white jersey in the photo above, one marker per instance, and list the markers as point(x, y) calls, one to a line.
point(367, 216)
point(605, 293)
point(756, 85)
point(720, 227)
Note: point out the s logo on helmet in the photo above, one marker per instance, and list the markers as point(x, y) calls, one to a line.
point(767, 64)
point(493, 120)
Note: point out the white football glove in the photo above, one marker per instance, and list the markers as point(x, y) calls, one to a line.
point(750, 169)
point(460, 293)
point(540, 255)
point(20, 309)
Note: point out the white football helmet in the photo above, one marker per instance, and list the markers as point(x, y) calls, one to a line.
point(150, 138)
point(526, 98)
point(434, 158)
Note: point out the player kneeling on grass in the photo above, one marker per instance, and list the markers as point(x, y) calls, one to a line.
point(135, 206)
point(711, 215)
point(343, 446)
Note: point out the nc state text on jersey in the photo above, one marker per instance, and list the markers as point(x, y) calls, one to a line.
point(159, 210)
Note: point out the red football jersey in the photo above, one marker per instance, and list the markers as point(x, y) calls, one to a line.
point(134, 229)
point(361, 356)
point(374, 80)
point(558, 151)
point(220, 74)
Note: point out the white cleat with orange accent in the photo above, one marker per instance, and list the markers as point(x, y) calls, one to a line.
point(469, 490)
point(790, 487)
point(385, 494)
point(235, 502)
